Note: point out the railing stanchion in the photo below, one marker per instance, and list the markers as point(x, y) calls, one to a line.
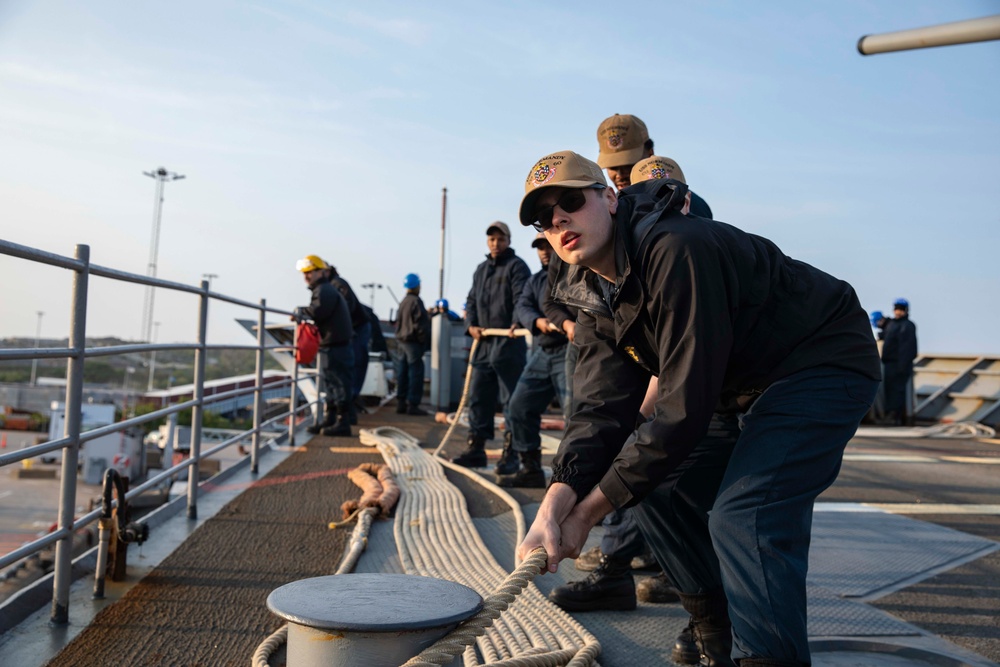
point(293, 404)
point(258, 394)
point(198, 410)
point(74, 398)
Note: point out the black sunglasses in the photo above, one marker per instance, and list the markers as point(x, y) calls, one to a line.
point(571, 201)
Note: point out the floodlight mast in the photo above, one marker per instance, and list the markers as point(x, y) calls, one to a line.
point(161, 176)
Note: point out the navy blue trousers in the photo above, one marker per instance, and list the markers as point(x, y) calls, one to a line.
point(410, 372)
point(495, 371)
point(543, 378)
point(362, 337)
point(337, 369)
point(738, 511)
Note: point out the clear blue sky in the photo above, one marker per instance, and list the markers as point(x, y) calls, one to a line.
point(330, 128)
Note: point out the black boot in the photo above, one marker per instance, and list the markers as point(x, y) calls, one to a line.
point(343, 424)
point(529, 476)
point(508, 463)
point(474, 455)
point(415, 409)
point(685, 650)
point(710, 624)
point(328, 419)
point(400, 406)
point(609, 587)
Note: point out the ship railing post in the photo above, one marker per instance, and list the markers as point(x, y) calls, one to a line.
point(258, 393)
point(293, 404)
point(62, 577)
point(197, 412)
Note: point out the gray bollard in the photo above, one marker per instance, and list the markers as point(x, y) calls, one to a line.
point(369, 620)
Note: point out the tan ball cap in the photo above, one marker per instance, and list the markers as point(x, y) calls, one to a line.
point(564, 169)
point(622, 140)
point(656, 167)
point(498, 227)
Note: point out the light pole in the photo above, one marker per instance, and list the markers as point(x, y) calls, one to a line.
point(34, 362)
point(161, 176)
point(152, 357)
point(209, 277)
point(372, 287)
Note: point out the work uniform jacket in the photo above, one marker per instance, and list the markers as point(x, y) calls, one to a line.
point(328, 310)
point(358, 315)
point(413, 324)
point(716, 313)
point(529, 309)
point(900, 346)
point(496, 287)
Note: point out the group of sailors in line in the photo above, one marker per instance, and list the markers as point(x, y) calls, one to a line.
point(715, 383)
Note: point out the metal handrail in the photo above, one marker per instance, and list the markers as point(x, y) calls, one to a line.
point(76, 354)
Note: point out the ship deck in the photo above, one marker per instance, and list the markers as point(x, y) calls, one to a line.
point(889, 583)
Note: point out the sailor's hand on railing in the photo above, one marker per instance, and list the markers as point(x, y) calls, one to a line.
point(476, 332)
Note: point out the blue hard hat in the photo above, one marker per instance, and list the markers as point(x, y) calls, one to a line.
point(876, 316)
point(411, 281)
point(901, 302)
point(442, 303)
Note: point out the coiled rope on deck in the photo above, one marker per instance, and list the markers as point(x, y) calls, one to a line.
point(435, 537)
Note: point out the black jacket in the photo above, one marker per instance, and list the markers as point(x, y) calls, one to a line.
point(328, 310)
point(557, 312)
point(413, 324)
point(496, 287)
point(900, 346)
point(716, 313)
point(529, 309)
point(358, 315)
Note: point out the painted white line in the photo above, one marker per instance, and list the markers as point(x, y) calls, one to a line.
point(934, 508)
point(4, 494)
point(971, 459)
point(890, 458)
point(846, 507)
point(908, 508)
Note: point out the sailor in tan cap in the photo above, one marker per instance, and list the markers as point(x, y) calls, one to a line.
point(623, 141)
point(766, 367)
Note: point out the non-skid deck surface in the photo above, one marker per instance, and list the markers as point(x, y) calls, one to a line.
point(205, 604)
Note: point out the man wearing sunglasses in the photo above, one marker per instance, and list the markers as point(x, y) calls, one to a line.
point(496, 287)
point(727, 323)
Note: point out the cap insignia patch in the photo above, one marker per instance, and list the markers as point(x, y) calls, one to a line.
point(615, 139)
point(542, 174)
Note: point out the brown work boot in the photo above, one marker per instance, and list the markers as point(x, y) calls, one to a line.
point(656, 590)
point(610, 587)
point(645, 561)
point(589, 560)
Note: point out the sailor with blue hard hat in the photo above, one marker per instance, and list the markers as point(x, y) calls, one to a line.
point(411, 281)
